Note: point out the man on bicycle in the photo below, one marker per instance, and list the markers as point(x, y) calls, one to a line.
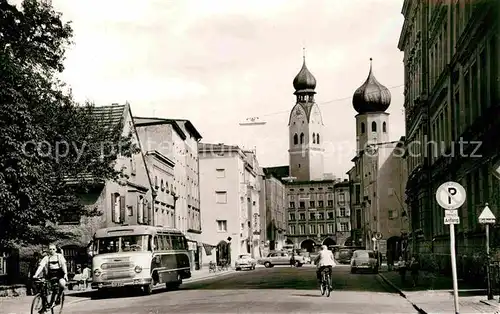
point(324, 261)
point(55, 268)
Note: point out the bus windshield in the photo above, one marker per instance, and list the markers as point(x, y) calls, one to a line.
point(131, 243)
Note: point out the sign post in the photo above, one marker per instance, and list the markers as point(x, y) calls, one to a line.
point(451, 195)
point(487, 218)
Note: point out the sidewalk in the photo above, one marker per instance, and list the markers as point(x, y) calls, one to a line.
point(435, 294)
point(22, 304)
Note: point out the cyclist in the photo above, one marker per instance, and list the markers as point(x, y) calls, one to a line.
point(55, 268)
point(324, 260)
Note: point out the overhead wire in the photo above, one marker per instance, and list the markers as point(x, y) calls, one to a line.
point(327, 102)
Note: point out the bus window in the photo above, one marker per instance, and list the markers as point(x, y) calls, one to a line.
point(176, 242)
point(157, 246)
point(167, 245)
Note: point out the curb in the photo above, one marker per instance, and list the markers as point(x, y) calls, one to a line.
point(225, 273)
point(401, 293)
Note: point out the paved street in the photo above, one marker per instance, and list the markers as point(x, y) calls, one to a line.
point(274, 290)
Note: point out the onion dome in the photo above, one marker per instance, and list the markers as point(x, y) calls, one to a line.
point(371, 96)
point(304, 82)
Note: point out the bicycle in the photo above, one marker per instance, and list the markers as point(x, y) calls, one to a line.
point(212, 267)
point(325, 286)
point(41, 303)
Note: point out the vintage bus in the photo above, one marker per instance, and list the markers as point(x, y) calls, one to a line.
point(139, 256)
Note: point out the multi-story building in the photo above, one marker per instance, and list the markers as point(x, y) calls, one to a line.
point(452, 106)
point(378, 175)
point(172, 149)
point(272, 211)
point(311, 212)
point(229, 181)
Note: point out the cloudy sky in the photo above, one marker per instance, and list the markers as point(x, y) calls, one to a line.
point(217, 63)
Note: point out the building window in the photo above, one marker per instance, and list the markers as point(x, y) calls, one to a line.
point(292, 229)
point(341, 198)
point(314, 138)
point(130, 210)
point(222, 225)
point(312, 229)
point(320, 204)
point(317, 138)
point(162, 185)
point(117, 203)
point(330, 203)
point(344, 226)
point(221, 197)
point(321, 216)
point(362, 128)
point(330, 228)
point(302, 229)
point(311, 204)
point(321, 229)
point(302, 205)
point(3, 264)
point(292, 204)
point(295, 139)
point(292, 216)
point(357, 189)
point(156, 182)
point(140, 201)
point(301, 138)
point(221, 173)
point(374, 126)
point(391, 214)
point(330, 215)
point(312, 216)
point(342, 212)
point(302, 216)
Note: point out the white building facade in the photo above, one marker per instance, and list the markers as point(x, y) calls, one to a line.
point(229, 188)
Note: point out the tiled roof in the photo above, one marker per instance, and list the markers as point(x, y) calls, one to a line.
point(110, 117)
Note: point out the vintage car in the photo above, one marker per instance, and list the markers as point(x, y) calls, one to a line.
point(245, 261)
point(281, 258)
point(364, 260)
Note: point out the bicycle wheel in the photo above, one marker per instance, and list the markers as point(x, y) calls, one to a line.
point(327, 285)
point(37, 304)
point(59, 308)
point(322, 284)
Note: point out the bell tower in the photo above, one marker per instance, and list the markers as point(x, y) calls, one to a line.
point(305, 128)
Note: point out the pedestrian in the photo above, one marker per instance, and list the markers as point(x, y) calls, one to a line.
point(292, 259)
point(414, 269)
point(402, 269)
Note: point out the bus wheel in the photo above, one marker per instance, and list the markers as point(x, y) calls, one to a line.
point(148, 289)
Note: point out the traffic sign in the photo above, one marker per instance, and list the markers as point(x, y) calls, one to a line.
point(451, 220)
point(378, 236)
point(450, 195)
point(450, 213)
point(487, 216)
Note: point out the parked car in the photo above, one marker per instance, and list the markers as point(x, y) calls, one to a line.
point(281, 258)
point(245, 261)
point(364, 260)
point(344, 256)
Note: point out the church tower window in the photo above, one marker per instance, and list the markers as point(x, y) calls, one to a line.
point(384, 127)
point(374, 126)
point(301, 138)
point(362, 128)
point(317, 138)
point(314, 138)
point(295, 139)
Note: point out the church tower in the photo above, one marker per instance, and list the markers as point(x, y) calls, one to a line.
point(305, 128)
point(371, 100)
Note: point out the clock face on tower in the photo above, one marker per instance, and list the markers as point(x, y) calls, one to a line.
point(298, 112)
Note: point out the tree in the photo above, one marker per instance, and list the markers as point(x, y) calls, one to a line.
point(45, 137)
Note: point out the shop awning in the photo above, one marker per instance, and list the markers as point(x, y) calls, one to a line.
point(208, 248)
